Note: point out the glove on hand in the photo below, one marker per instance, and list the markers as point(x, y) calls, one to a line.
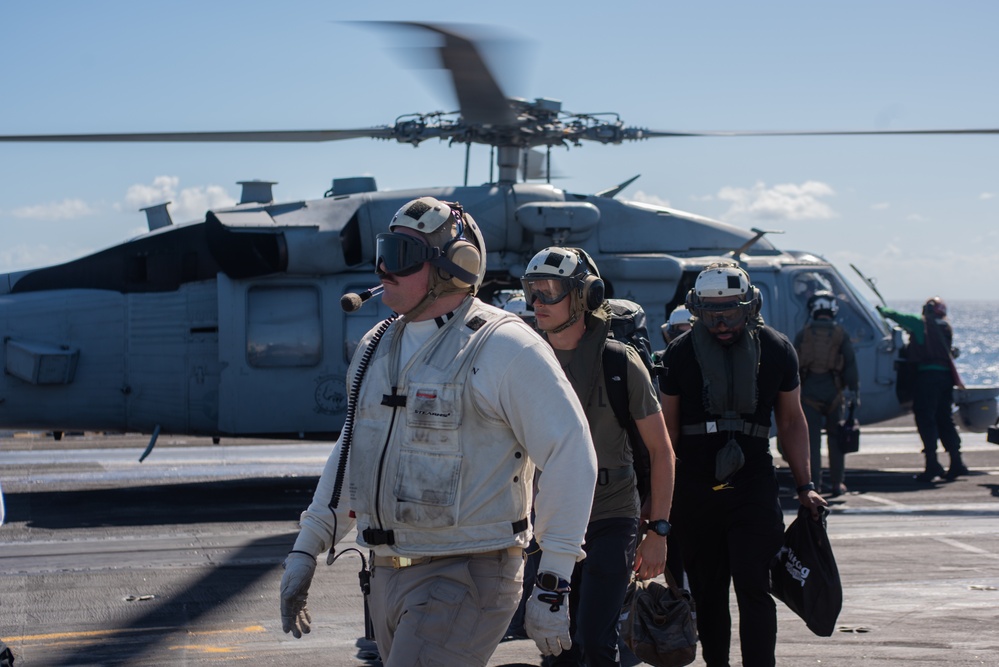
point(546, 619)
point(298, 571)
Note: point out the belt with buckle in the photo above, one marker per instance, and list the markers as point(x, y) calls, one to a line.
point(727, 425)
point(399, 562)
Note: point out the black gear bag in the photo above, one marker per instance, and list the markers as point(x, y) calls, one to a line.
point(804, 576)
point(848, 431)
point(657, 623)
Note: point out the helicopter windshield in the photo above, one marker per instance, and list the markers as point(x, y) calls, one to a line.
point(854, 310)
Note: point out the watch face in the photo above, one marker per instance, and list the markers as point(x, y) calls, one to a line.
point(661, 527)
point(548, 581)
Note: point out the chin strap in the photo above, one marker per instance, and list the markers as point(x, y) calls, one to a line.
point(417, 310)
point(568, 323)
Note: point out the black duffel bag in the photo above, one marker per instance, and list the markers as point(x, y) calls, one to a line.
point(657, 623)
point(804, 576)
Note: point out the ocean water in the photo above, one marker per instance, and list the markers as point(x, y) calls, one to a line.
point(976, 333)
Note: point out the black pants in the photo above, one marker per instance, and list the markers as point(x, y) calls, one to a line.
point(599, 585)
point(931, 405)
point(731, 535)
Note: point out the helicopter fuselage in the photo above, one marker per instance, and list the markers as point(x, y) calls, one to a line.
point(232, 326)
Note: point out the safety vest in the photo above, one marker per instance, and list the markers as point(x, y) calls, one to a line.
point(429, 473)
point(821, 351)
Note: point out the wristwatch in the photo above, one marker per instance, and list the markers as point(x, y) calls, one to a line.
point(551, 582)
point(805, 488)
point(661, 527)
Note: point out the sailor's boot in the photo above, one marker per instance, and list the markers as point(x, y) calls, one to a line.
point(957, 467)
point(933, 468)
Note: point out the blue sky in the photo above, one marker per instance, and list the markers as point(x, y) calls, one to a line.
point(918, 213)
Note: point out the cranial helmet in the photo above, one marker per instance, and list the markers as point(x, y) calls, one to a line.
point(455, 245)
point(516, 303)
point(556, 273)
point(679, 317)
point(724, 279)
point(936, 306)
point(822, 303)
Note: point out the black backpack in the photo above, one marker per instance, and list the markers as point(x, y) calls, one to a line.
point(628, 328)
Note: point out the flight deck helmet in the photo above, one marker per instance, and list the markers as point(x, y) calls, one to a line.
point(724, 279)
point(451, 243)
point(513, 301)
point(680, 317)
point(822, 303)
point(935, 307)
point(556, 273)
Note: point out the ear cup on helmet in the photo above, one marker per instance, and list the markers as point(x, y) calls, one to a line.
point(466, 256)
point(755, 300)
point(593, 292)
point(691, 302)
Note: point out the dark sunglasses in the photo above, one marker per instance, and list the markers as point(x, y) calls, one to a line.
point(400, 254)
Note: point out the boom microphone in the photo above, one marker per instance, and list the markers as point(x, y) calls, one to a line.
point(351, 302)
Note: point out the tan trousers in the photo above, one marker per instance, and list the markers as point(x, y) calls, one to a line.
point(450, 611)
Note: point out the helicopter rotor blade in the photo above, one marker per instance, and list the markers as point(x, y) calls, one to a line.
point(651, 134)
point(480, 97)
point(383, 132)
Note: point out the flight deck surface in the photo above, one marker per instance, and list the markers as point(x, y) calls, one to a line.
point(177, 560)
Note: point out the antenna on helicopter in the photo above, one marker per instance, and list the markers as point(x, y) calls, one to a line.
point(610, 193)
point(870, 283)
point(758, 234)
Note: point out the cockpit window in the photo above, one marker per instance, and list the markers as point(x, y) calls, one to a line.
point(851, 312)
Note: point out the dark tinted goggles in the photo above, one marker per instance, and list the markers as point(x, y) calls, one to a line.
point(548, 291)
point(400, 254)
point(732, 314)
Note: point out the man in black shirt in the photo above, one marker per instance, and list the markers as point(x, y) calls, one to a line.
point(722, 381)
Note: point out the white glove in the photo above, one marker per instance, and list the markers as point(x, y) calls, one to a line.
point(298, 570)
point(546, 619)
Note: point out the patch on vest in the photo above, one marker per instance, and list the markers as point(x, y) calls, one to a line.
point(475, 323)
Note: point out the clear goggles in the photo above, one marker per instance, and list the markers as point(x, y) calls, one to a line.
point(732, 314)
point(401, 254)
point(548, 291)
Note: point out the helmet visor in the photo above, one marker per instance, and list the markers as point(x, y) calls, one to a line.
point(548, 291)
point(401, 254)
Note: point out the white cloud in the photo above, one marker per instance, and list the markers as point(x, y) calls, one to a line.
point(986, 196)
point(645, 198)
point(187, 203)
point(915, 271)
point(915, 217)
point(164, 188)
point(66, 209)
point(881, 206)
point(786, 201)
point(193, 202)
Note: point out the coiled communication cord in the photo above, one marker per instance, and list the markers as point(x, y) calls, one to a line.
point(348, 422)
point(364, 575)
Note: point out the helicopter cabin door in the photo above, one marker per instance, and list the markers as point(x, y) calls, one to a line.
point(285, 344)
point(270, 345)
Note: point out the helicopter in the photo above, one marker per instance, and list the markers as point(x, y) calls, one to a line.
point(233, 325)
